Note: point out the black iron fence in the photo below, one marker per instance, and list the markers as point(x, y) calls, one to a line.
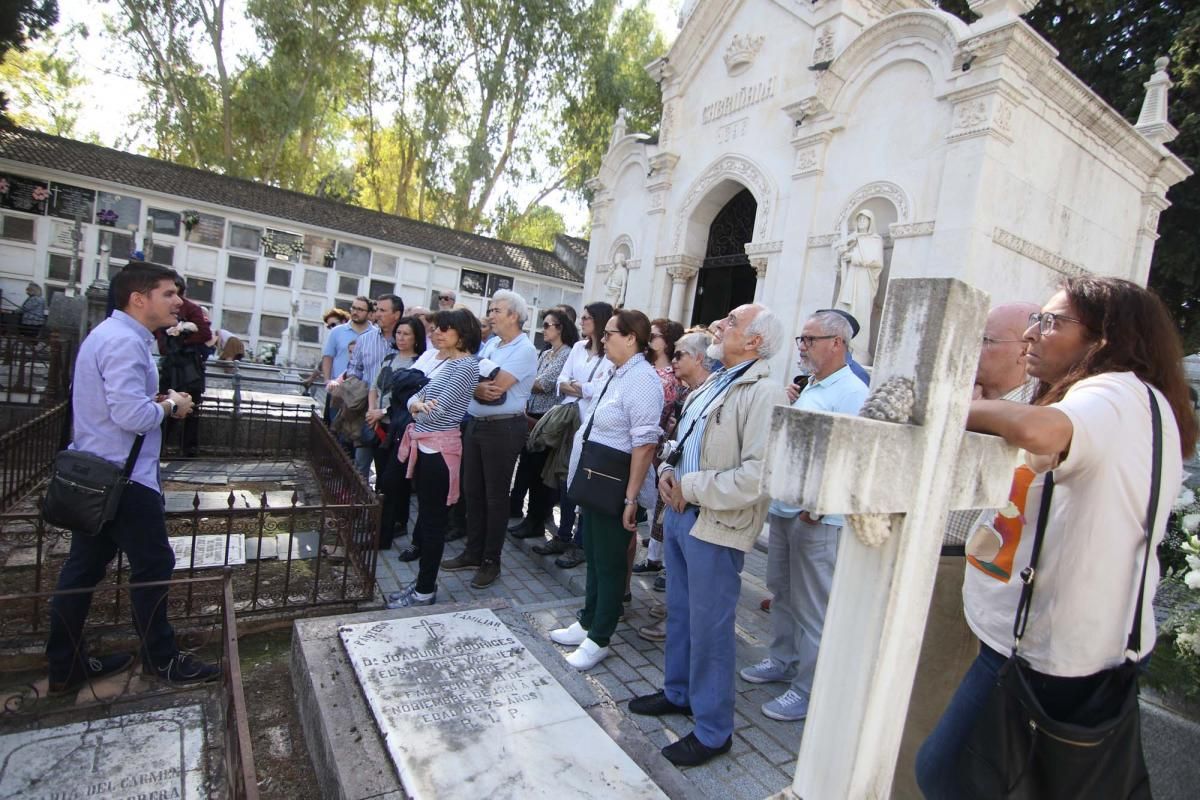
point(35, 371)
point(285, 556)
point(27, 451)
point(23, 705)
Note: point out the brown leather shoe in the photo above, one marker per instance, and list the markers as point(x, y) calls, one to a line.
point(486, 575)
point(654, 633)
point(459, 562)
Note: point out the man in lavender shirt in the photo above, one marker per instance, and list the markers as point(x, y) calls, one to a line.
point(114, 400)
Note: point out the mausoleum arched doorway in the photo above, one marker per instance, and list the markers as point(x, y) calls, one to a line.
point(726, 279)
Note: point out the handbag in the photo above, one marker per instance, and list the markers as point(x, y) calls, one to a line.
point(85, 490)
point(602, 473)
point(1018, 750)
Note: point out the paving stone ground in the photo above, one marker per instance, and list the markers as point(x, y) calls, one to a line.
point(763, 757)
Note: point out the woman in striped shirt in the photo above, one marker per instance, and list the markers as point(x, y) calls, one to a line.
point(432, 447)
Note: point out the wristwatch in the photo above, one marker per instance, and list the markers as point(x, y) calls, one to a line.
point(174, 407)
point(631, 502)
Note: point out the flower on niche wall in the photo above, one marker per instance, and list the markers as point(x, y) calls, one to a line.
point(41, 193)
point(107, 216)
point(3, 185)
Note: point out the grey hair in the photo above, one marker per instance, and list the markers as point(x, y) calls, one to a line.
point(516, 303)
point(695, 344)
point(768, 326)
point(834, 324)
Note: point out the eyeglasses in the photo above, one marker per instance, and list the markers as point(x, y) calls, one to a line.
point(678, 355)
point(987, 341)
point(359, 308)
point(807, 341)
point(546, 325)
point(607, 333)
point(585, 318)
point(654, 335)
point(1047, 322)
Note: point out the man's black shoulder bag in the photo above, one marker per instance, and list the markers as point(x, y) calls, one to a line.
point(85, 490)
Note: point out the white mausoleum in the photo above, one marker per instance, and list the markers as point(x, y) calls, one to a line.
point(976, 153)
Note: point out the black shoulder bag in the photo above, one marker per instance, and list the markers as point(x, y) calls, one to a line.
point(1017, 750)
point(602, 474)
point(85, 490)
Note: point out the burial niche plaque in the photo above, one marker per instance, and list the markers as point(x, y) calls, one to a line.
point(467, 711)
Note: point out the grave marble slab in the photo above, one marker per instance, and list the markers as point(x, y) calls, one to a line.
point(146, 754)
point(303, 545)
point(467, 711)
point(209, 551)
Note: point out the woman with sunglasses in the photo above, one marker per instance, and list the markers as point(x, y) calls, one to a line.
point(432, 446)
point(559, 335)
point(387, 411)
point(1105, 353)
point(624, 416)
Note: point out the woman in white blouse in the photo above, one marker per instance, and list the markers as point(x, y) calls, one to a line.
point(624, 416)
point(584, 373)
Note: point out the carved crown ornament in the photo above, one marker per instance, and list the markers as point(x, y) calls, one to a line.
point(741, 52)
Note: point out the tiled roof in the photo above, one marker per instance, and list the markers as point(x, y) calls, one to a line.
point(106, 164)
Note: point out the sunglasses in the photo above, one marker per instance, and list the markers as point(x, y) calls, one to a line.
point(443, 328)
point(678, 356)
point(331, 325)
point(546, 325)
point(445, 297)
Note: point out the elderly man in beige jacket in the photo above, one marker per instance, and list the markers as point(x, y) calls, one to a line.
point(715, 510)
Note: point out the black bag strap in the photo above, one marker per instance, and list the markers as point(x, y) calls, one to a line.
point(134, 452)
point(1133, 642)
point(595, 405)
point(711, 399)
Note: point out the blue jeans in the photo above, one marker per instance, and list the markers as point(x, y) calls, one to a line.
point(699, 667)
point(140, 530)
point(938, 772)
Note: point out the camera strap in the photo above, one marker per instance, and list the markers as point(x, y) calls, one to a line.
point(717, 392)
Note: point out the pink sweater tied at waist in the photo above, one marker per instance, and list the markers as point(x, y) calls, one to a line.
point(448, 443)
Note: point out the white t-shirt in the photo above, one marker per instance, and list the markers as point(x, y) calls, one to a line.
point(1090, 565)
point(591, 375)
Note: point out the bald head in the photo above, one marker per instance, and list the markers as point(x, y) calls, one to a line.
point(1001, 361)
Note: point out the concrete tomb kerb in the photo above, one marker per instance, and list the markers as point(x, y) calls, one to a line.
point(896, 482)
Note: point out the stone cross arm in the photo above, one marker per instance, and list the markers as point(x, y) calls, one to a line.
point(838, 464)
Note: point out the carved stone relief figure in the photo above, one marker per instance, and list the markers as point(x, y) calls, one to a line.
point(614, 284)
point(860, 263)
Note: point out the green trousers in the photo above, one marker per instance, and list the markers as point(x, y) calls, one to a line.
point(606, 544)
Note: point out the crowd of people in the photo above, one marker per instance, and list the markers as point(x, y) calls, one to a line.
point(627, 424)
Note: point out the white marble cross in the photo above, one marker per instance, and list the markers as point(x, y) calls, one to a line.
point(931, 333)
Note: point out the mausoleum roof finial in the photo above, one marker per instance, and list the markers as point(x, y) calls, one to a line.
point(994, 13)
point(1152, 122)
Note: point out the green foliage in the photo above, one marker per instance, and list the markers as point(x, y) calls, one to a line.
point(1112, 45)
point(44, 84)
point(21, 21)
point(537, 227)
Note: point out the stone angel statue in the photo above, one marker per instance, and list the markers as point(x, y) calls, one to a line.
point(860, 264)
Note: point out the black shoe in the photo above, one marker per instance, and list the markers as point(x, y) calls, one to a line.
point(410, 554)
point(453, 534)
point(525, 530)
point(571, 558)
point(185, 670)
point(552, 548)
point(660, 583)
point(655, 705)
point(647, 567)
point(93, 668)
point(520, 523)
point(691, 752)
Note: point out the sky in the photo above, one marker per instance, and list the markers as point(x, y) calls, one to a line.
point(113, 91)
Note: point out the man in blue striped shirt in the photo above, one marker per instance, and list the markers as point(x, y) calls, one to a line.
point(373, 346)
point(113, 401)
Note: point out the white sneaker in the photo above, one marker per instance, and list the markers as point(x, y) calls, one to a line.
point(571, 637)
point(587, 655)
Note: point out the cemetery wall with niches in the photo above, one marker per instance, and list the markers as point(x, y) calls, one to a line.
point(266, 262)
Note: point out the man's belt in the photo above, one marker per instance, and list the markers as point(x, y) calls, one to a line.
point(500, 417)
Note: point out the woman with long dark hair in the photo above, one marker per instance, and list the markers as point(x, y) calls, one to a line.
point(560, 335)
point(1095, 348)
point(388, 413)
point(585, 371)
point(624, 417)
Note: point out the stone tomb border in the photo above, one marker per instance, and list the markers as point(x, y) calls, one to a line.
point(351, 757)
